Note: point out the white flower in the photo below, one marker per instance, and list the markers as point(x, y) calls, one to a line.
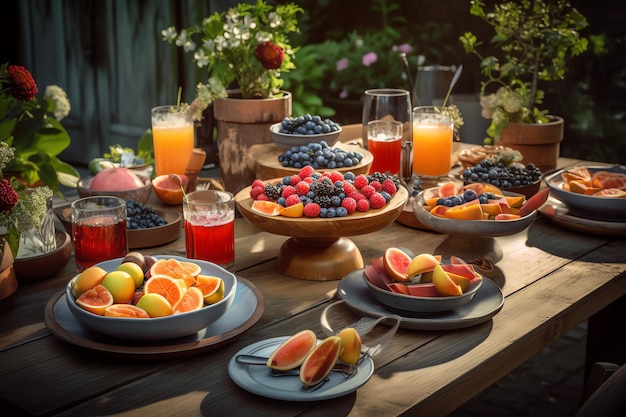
point(201, 59)
point(169, 34)
point(61, 103)
point(274, 20)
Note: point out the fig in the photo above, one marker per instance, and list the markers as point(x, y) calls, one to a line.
point(319, 362)
point(137, 258)
point(292, 352)
point(150, 260)
point(350, 345)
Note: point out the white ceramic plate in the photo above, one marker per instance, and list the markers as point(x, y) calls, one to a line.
point(487, 302)
point(257, 379)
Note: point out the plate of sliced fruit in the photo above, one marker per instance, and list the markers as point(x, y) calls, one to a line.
point(476, 209)
point(593, 192)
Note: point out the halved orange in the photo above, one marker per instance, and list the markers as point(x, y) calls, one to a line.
point(126, 310)
point(165, 285)
point(192, 300)
point(604, 179)
point(174, 268)
point(297, 210)
point(268, 208)
point(611, 193)
point(212, 288)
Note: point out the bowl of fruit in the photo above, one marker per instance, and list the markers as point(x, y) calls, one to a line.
point(150, 298)
point(476, 209)
point(302, 130)
point(421, 284)
point(117, 182)
point(318, 211)
point(593, 192)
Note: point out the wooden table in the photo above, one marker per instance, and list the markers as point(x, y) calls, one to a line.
point(552, 279)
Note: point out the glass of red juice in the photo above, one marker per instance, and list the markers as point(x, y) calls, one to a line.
point(384, 141)
point(99, 230)
point(210, 226)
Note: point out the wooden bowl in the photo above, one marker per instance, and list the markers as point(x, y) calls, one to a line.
point(267, 166)
point(319, 249)
point(156, 236)
point(38, 267)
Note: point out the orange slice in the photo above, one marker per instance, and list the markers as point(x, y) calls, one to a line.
point(187, 271)
point(268, 208)
point(297, 210)
point(192, 300)
point(473, 212)
point(166, 286)
point(212, 288)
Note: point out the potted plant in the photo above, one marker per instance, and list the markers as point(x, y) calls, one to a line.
point(536, 40)
point(31, 124)
point(247, 45)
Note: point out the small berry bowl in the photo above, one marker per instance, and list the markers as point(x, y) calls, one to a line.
point(141, 194)
point(287, 141)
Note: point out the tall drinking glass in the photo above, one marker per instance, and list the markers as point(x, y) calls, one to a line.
point(384, 141)
point(99, 230)
point(387, 104)
point(173, 140)
point(210, 226)
point(432, 145)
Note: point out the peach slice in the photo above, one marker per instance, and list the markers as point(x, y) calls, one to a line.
point(444, 285)
point(473, 212)
point(423, 262)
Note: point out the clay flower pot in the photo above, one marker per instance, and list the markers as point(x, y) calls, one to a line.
point(8, 280)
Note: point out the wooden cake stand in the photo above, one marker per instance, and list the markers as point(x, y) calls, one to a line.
point(318, 249)
point(264, 157)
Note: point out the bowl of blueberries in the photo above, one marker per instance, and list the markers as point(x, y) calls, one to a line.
point(303, 130)
point(516, 178)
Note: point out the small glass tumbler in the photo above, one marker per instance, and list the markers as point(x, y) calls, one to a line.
point(210, 226)
point(99, 230)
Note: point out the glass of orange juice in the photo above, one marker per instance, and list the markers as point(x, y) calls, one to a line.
point(432, 145)
point(173, 139)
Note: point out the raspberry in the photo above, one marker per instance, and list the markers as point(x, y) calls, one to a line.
point(302, 188)
point(368, 191)
point(357, 196)
point(389, 186)
point(377, 186)
point(334, 176)
point(349, 204)
point(312, 210)
point(309, 180)
point(288, 190)
point(258, 183)
point(292, 200)
point(306, 171)
point(360, 181)
point(363, 205)
point(294, 180)
point(377, 201)
point(255, 191)
point(263, 197)
point(348, 188)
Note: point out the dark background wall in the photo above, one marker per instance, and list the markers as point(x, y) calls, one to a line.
point(109, 57)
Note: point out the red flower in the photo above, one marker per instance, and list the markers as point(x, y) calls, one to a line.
point(8, 196)
point(269, 55)
point(21, 82)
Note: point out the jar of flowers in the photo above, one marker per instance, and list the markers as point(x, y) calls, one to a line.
point(247, 46)
point(536, 40)
point(31, 137)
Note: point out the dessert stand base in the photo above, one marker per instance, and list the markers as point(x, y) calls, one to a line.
point(319, 259)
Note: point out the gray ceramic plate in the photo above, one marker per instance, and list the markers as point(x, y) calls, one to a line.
point(257, 379)
point(591, 207)
point(487, 302)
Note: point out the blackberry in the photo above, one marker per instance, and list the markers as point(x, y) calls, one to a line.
point(323, 200)
point(272, 191)
point(323, 188)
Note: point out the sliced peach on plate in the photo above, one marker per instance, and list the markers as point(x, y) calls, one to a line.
point(439, 211)
point(473, 212)
point(423, 262)
point(398, 288)
point(422, 290)
point(492, 208)
point(444, 285)
point(507, 216)
point(515, 201)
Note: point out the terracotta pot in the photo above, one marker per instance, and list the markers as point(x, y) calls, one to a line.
point(242, 123)
point(8, 280)
point(539, 142)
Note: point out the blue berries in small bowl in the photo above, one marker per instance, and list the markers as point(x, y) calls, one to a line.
point(303, 130)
